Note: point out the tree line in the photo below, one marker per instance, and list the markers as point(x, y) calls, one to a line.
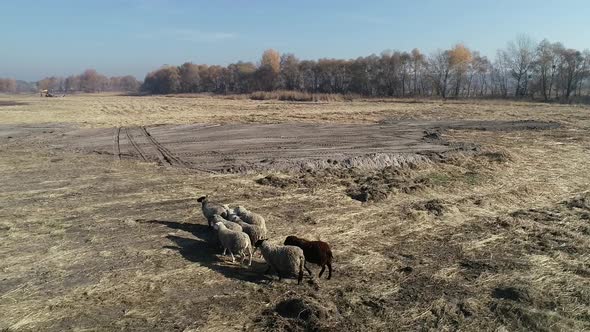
point(89, 81)
point(8, 85)
point(524, 68)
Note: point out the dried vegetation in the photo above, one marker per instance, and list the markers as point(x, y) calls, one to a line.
point(498, 239)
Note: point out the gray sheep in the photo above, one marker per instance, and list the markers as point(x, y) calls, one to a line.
point(255, 232)
point(235, 242)
point(229, 224)
point(250, 217)
point(285, 260)
point(211, 208)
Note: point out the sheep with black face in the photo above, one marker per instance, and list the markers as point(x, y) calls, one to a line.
point(211, 208)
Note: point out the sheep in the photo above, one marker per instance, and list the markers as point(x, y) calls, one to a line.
point(234, 241)
point(211, 208)
point(228, 224)
point(231, 215)
point(285, 260)
point(250, 217)
point(255, 232)
point(317, 252)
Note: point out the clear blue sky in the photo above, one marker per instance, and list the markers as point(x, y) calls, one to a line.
point(117, 37)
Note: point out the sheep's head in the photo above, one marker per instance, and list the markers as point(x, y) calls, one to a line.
point(291, 240)
point(202, 199)
point(234, 218)
point(218, 225)
point(259, 243)
point(240, 210)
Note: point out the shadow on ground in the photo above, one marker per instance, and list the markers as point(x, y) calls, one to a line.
point(206, 251)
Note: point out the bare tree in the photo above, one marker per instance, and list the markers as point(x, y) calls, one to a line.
point(417, 60)
point(92, 81)
point(162, 81)
point(290, 74)
point(571, 71)
point(460, 59)
point(189, 77)
point(545, 67)
point(7, 85)
point(269, 70)
point(520, 56)
point(439, 70)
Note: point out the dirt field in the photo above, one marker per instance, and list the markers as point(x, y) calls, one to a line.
point(486, 227)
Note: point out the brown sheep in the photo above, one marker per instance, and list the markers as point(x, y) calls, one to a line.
point(317, 252)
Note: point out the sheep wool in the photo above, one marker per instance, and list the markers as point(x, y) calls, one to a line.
point(255, 232)
point(285, 260)
point(210, 208)
point(230, 225)
point(250, 217)
point(234, 241)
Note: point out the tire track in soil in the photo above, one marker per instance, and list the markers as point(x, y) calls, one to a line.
point(116, 145)
point(168, 157)
point(165, 159)
point(135, 146)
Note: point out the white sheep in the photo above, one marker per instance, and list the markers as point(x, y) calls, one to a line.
point(229, 224)
point(285, 260)
point(210, 209)
point(234, 241)
point(255, 232)
point(250, 217)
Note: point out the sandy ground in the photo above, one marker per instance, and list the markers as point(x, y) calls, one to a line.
point(289, 147)
point(490, 240)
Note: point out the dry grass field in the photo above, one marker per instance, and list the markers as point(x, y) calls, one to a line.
point(495, 238)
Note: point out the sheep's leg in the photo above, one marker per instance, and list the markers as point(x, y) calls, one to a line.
point(233, 259)
point(278, 272)
point(243, 257)
point(329, 271)
point(250, 252)
point(224, 250)
point(301, 265)
point(322, 271)
point(307, 269)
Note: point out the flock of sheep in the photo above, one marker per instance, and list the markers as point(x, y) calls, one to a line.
point(242, 232)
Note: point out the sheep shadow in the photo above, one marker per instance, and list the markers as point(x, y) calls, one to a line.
point(205, 251)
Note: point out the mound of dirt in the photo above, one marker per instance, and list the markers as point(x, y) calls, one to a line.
point(298, 314)
point(379, 185)
point(496, 156)
point(277, 181)
point(434, 206)
point(580, 201)
point(310, 178)
point(361, 186)
point(511, 293)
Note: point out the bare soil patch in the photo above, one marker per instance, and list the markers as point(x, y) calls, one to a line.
point(272, 147)
point(11, 103)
